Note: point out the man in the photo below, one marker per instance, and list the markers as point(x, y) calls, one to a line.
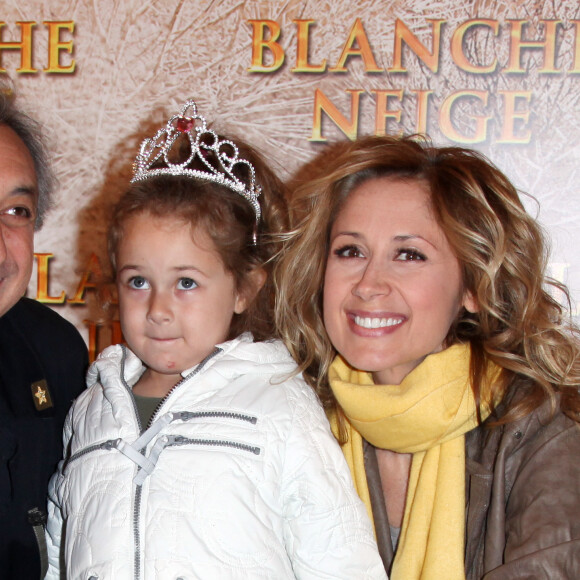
point(42, 357)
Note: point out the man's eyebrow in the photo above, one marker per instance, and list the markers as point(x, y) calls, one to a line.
point(24, 190)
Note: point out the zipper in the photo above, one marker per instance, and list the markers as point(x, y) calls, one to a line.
point(136, 532)
point(187, 415)
point(129, 389)
point(194, 372)
point(106, 445)
point(178, 440)
point(139, 488)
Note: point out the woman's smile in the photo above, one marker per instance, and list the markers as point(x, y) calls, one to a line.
point(374, 322)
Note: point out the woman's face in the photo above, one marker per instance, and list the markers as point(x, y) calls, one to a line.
point(393, 285)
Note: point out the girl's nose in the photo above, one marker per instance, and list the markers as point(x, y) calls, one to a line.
point(159, 308)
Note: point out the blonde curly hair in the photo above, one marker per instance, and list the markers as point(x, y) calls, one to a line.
point(501, 250)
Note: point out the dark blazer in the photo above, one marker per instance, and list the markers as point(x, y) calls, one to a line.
point(522, 500)
point(43, 361)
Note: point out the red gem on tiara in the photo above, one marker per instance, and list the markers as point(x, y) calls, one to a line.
point(184, 125)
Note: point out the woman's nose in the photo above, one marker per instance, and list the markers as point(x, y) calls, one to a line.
point(374, 281)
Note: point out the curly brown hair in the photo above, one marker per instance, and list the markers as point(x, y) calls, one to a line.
point(230, 222)
point(501, 250)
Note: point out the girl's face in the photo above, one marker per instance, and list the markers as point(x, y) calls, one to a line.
point(393, 285)
point(176, 300)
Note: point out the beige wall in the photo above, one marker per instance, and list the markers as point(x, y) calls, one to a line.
point(135, 62)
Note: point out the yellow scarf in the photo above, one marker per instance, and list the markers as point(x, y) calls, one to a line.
point(426, 415)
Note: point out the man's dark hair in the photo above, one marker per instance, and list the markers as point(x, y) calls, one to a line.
point(30, 133)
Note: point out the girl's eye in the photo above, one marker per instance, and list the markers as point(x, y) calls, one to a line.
point(138, 283)
point(349, 251)
point(186, 284)
point(409, 255)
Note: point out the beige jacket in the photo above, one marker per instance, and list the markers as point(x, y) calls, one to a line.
point(522, 500)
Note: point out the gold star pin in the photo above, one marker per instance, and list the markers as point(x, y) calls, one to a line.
point(41, 395)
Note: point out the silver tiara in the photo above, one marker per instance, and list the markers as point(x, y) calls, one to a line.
point(191, 124)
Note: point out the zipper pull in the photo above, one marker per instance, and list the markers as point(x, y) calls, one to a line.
point(111, 444)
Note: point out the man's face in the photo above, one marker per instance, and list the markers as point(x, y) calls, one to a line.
point(18, 207)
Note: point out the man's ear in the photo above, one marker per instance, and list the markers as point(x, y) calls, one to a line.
point(252, 285)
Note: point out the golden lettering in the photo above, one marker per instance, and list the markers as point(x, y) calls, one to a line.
point(93, 267)
point(92, 336)
point(576, 66)
point(24, 46)
point(101, 335)
point(302, 50)
point(259, 43)
point(56, 46)
point(359, 36)
point(481, 121)
point(511, 116)
point(42, 294)
point(323, 104)
point(547, 46)
point(422, 110)
point(383, 113)
point(403, 34)
point(457, 42)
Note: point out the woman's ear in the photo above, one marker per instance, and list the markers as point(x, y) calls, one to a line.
point(252, 285)
point(470, 303)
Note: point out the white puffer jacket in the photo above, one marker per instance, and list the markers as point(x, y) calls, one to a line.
point(237, 476)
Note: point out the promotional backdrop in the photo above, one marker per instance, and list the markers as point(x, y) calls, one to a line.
point(500, 76)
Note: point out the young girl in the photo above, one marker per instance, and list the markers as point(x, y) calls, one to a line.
point(193, 454)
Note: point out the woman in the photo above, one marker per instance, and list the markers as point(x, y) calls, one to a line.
point(455, 389)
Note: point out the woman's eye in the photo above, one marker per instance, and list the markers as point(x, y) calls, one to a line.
point(138, 283)
point(186, 284)
point(348, 252)
point(410, 255)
